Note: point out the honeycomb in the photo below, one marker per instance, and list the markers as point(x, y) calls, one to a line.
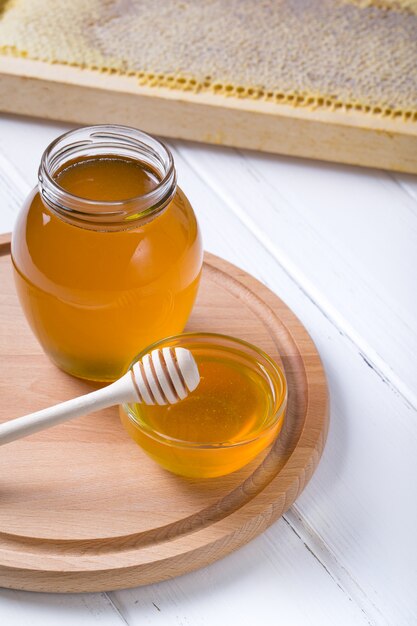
point(337, 54)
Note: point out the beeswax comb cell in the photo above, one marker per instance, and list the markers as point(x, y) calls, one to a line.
point(325, 53)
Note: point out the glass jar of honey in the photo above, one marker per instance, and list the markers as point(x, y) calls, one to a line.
point(106, 250)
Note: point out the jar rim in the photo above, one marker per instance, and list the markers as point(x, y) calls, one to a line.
point(215, 339)
point(92, 140)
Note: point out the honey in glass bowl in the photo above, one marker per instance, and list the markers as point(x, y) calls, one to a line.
point(236, 411)
point(106, 251)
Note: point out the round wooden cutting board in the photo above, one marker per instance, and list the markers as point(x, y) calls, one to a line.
point(82, 508)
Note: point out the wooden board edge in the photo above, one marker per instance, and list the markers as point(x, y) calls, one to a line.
point(59, 92)
point(5, 243)
point(152, 572)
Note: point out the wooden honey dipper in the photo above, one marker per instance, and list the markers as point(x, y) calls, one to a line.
point(163, 376)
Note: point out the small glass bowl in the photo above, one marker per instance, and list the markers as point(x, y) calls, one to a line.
point(201, 459)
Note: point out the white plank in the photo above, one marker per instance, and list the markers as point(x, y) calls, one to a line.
point(408, 183)
point(347, 236)
point(12, 192)
point(19, 608)
point(22, 143)
point(270, 581)
point(23, 140)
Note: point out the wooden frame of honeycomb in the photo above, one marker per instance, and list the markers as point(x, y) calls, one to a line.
point(329, 79)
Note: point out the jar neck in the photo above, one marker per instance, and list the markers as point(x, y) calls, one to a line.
point(98, 141)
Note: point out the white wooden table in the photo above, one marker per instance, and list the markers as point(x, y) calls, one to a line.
point(339, 245)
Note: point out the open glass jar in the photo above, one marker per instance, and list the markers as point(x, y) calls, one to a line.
point(106, 250)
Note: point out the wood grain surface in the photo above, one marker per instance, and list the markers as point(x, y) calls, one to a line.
point(59, 92)
point(84, 509)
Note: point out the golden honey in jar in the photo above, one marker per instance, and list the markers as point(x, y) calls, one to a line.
point(236, 411)
point(106, 251)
